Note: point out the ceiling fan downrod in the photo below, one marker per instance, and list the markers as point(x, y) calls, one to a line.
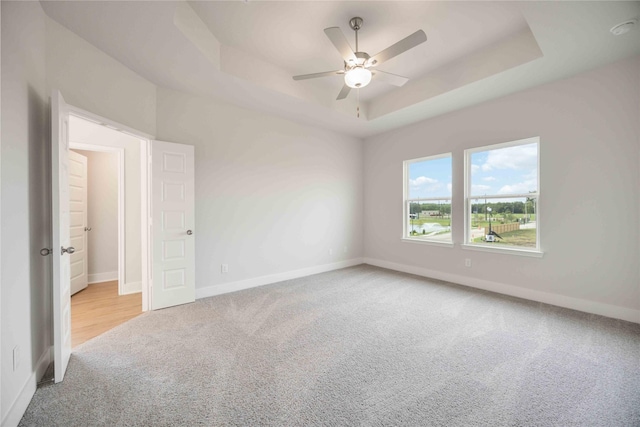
point(356, 24)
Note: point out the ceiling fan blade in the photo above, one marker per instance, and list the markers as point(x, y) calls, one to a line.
point(392, 79)
point(402, 46)
point(316, 75)
point(338, 39)
point(344, 92)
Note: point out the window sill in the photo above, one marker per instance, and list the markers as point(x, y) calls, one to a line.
point(511, 251)
point(428, 242)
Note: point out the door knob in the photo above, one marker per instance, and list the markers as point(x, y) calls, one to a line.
point(68, 250)
point(189, 232)
point(45, 251)
point(87, 229)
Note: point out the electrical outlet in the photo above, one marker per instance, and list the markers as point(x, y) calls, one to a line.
point(224, 268)
point(467, 262)
point(330, 251)
point(16, 358)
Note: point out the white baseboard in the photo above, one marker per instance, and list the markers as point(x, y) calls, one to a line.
point(131, 288)
point(17, 410)
point(225, 288)
point(602, 309)
point(102, 277)
point(44, 362)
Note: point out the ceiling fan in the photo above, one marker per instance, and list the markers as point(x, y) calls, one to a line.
point(359, 66)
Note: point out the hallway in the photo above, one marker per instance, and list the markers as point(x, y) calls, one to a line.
point(98, 308)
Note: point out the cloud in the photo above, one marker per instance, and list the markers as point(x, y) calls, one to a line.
point(449, 187)
point(519, 188)
point(424, 186)
point(474, 168)
point(522, 157)
point(488, 178)
point(422, 180)
point(479, 188)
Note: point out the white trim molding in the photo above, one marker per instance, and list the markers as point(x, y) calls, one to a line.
point(19, 406)
point(429, 242)
point(225, 288)
point(511, 250)
point(99, 120)
point(131, 288)
point(122, 247)
point(102, 277)
point(145, 176)
point(587, 306)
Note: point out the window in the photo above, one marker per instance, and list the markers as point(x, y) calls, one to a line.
point(427, 199)
point(502, 193)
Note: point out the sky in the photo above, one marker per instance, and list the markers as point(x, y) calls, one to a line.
point(511, 170)
point(430, 178)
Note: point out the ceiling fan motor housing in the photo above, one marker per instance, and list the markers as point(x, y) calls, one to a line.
point(356, 23)
point(361, 60)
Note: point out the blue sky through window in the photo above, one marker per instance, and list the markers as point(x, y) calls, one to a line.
point(502, 171)
point(430, 178)
point(511, 170)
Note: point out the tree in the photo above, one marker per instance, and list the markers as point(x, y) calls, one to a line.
point(508, 216)
point(530, 206)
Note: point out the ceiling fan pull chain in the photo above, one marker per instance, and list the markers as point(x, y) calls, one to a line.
point(358, 96)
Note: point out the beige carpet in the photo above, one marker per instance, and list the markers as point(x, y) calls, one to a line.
point(360, 346)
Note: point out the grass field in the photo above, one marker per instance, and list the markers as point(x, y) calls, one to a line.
point(442, 221)
point(525, 238)
point(478, 220)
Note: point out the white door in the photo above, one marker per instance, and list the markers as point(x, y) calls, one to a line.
point(78, 218)
point(172, 216)
point(61, 240)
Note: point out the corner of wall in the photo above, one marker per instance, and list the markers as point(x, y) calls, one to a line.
point(19, 406)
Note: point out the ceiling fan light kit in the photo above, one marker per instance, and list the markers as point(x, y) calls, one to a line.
point(357, 77)
point(358, 65)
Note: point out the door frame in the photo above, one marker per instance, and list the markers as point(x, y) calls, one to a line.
point(119, 151)
point(145, 170)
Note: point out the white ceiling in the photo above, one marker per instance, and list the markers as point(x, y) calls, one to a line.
point(290, 35)
point(246, 52)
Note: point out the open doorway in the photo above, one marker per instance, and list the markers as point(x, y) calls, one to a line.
point(166, 194)
point(105, 188)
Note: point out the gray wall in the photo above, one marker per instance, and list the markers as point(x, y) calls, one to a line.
point(102, 213)
point(39, 55)
point(272, 196)
point(589, 173)
point(90, 79)
point(25, 227)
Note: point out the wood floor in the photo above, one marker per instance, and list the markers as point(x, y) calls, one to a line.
point(98, 308)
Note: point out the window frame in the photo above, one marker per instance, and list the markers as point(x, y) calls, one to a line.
point(406, 201)
point(468, 198)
